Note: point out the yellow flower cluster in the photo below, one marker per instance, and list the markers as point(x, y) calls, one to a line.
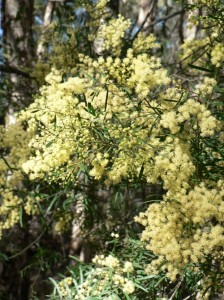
point(139, 72)
point(99, 163)
point(64, 287)
point(185, 228)
point(63, 223)
point(31, 205)
point(209, 3)
point(192, 110)
point(108, 275)
point(174, 165)
point(54, 113)
point(101, 4)
point(207, 86)
point(217, 55)
point(120, 119)
point(9, 209)
point(170, 97)
point(146, 74)
point(196, 51)
point(75, 114)
point(192, 48)
point(14, 152)
point(63, 53)
point(97, 11)
point(112, 37)
point(94, 120)
point(144, 44)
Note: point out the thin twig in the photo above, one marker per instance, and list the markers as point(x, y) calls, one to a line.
point(164, 19)
point(175, 290)
point(188, 297)
point(30, 245)
point(10, 69)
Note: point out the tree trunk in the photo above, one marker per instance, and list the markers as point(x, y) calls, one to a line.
point(146, 14)
point(18, 53)
point(114, 5)
point(46, 22)
point(191, 31)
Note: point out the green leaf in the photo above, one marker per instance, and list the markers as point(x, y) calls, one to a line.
point(90, 109)
point(56, 287)
point(127, 90)
point(214, 17)
point(55, 199)
point(49, 144)
point(219, 90)
point(7, 164)
point(106, 100)
point(67, 202)
point(21, 217)
point(81, 275)
point(3, 257)
point(141, 171)
point(55, 121)
point(199, 68)
point(140, 287)
point(146, 277)
point(161, 279)
point(218, 103)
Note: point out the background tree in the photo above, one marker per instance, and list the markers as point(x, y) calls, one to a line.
point(18, 51)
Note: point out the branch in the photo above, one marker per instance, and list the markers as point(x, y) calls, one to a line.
point(10, 69)
point(164, 18)
point(30, 245)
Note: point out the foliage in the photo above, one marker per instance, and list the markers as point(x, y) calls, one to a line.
point(110, 117)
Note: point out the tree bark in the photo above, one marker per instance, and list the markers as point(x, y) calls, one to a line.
point(114, 5)
point(46, 22)
point(146, 14)
point(18, 48)
point(191, 31)
point(18, 55)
